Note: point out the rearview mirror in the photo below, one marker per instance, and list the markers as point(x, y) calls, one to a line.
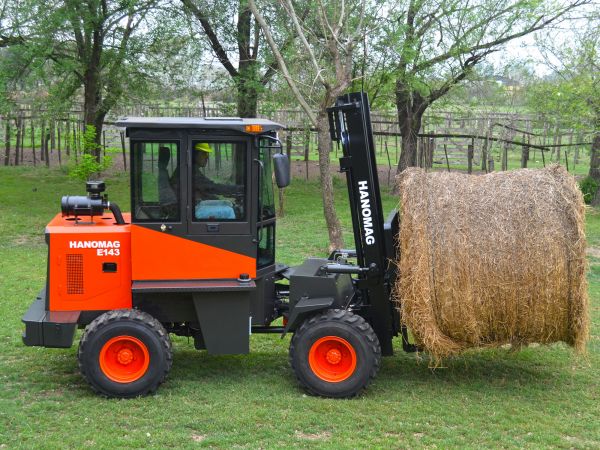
point(281, 165)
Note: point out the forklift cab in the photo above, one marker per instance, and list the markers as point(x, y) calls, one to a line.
point(202, 203)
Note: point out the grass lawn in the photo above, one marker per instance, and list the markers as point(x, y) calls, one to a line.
point(539, 397)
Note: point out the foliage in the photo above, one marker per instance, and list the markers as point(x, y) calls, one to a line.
point(588, 187)
point(247, 64)
point(572, 93)
point(93, 50)
point(437, 46)
point(89, 164)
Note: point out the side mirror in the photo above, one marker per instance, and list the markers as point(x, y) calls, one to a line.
point(281, 165)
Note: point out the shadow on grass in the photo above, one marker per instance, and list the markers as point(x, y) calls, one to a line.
point(528, 374)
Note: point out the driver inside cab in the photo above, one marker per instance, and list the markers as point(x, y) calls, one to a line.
point(216, 196)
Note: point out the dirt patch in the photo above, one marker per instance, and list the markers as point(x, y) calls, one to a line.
point(593, 252)
point(198, 437)
point(324, 435)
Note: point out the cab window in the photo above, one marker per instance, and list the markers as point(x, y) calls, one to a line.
point(218, 181)
point(155, 193)
point(266, 197)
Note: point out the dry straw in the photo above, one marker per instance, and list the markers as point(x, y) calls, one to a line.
point(492, 260)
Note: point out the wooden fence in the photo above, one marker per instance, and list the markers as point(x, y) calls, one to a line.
point(479, 141)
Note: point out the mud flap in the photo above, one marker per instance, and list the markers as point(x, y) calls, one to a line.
point(224, 321)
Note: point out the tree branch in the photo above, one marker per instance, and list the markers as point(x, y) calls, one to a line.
point(212, 37)
point(281, 63)
point(454, 51)
point(290, 9)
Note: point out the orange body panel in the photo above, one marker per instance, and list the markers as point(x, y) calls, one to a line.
point(77, 254)
point(161, 256)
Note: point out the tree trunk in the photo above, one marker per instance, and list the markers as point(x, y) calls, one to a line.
point(7, 143)
point(410, 107)
point(247, 97)
point(247, 78)
point(92, 95)
point(595, 166)
point(595, 158)
point(334, 228)
point(99, 124)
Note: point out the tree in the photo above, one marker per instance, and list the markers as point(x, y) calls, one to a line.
point(89, 44)
point(438, 43)
point(573, 90)
point(216, 18)
point(329, 35)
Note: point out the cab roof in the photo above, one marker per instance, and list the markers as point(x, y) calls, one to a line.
point(228, 123)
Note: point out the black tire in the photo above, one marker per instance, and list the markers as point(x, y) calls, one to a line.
point(330, 326)
point(123, 326)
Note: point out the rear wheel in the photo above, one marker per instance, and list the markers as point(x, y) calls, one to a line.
point(335, 354)
point(125, 353)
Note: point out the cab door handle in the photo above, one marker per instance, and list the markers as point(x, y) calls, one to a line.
point(164, 227)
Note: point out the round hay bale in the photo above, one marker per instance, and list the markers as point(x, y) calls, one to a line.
point(492, 260)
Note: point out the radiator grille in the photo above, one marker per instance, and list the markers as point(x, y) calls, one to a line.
point(74, 274)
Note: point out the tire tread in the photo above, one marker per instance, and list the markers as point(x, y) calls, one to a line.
point(133, 315)
point(354, 321)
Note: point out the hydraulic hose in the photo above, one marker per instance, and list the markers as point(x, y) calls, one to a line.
point(114, 208)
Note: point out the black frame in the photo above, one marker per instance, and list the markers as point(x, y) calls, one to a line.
point(136, 189)
point(350, 124)
point(226, 227)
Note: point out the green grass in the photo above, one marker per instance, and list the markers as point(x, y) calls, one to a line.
point(538, 398)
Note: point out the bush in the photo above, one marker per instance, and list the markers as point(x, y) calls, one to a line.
point(88, 166)
point(588, 187)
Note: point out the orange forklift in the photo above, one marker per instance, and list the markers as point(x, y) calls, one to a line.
point(196, 257)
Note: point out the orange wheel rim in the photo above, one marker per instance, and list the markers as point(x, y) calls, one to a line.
point(332, 359)
point(124, 359)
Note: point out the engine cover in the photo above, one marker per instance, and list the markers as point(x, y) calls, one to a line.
point(89, 264)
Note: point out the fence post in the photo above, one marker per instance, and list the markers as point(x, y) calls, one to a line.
point(470, 152)
point(68, 137)
point(431, 151)
point(33, 143)
point(18, 149)
point(22, 137)
point(306, 149)
point(7, 142)
point(524, 156)
point(288, 146)
point(446, 153)
point(543, 156)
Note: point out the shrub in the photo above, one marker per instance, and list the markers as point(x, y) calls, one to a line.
point(588, 187)
point(88, 166)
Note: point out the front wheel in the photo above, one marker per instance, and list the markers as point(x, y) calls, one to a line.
point(125, 353)
point(335, 354)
